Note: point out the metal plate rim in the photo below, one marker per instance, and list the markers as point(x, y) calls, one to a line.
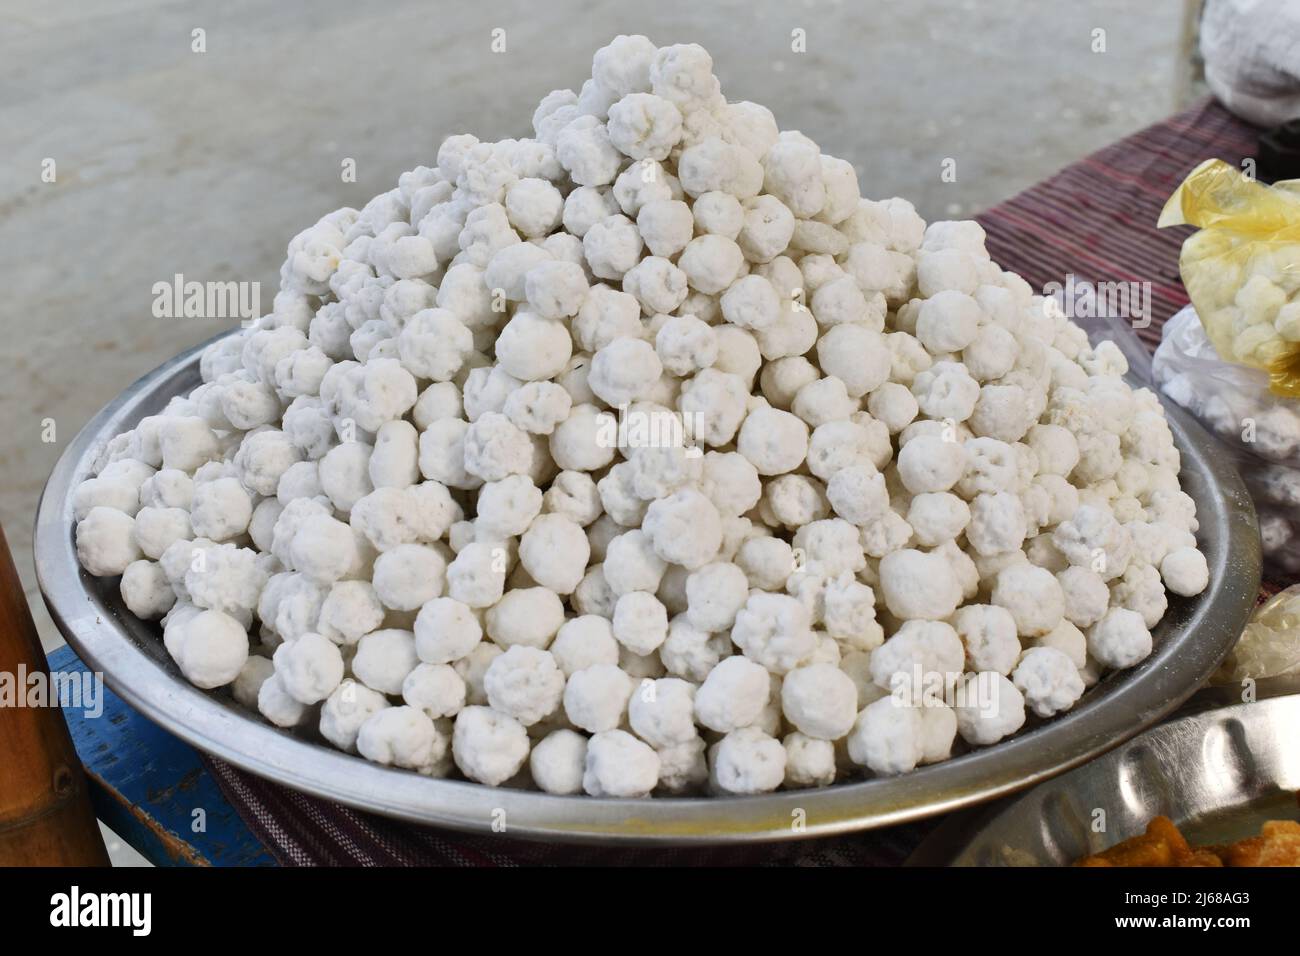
point(1135, 699)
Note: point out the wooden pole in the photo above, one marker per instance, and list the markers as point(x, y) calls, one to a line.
point(45, 814)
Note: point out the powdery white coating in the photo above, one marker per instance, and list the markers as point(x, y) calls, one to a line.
point(684, 528)
point(690, 652)
point(748, 761)
point(619, 765)
point(402, 737)
point(917, 653)
point(946, 390)
point(323, 549)
point(255, 672)
point(506, 508)
point(596, 697)
point(887, 738)
point(275, 704)
point(408, 576)
point(528, 616)
point(1069, 640)
point(931, 463)
point(640, 622)
point(989, 708)
point(848, 612)
point(435, 689)
point(988, 633)
point(384, 658)
point(445, 630)
point(579, 443)
point(644, 126)
point(105, 541)
point(683, 768)
point(1048, 680)
point(820, 700)
point(1184, 571)
point(938, 732)
point(146, 591)
point(583, 642)
point(346, 710)
point(555, 551)
point(685, 345)
point(919, 585)
point(538, 407)
point(714, 594)
point(947, 322)
point(473, 666)
point(533, 347)
point(488, 746)
point(120, 493)
point(733, 695)
point(662, 712)
point(558, 761)
point(855, 355)
point(345, 473)
point(1085, 595)
point(858, 494)
point(808, 762)
point(774, 441)
point(1033, 596)
point(775, 630)
point(612, 246)
point(167, 488)
point(263, 458)
point(434, 344)
point(1092, 538)
point(495, 448)
point(937, 517)
point(186, 443)
point(1120, 639)
point(211, 650)
point(310, 667)
point(442, 449)
point(534, 206)
point(524, 683)
point(997, 523)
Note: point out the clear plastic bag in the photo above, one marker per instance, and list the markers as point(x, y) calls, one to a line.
point(1259, 429)
point(1250, 62)
point(1242, 269)
point(1270, 644)
point(1232, 401)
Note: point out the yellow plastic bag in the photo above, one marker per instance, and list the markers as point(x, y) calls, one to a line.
point(1242, 269)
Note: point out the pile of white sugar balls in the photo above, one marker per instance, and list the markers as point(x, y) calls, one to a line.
point(646, 456)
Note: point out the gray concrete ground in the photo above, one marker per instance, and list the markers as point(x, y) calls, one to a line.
point(169, 160)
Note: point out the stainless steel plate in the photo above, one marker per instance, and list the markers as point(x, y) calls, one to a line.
point(1218, 770)
point(1190, 642)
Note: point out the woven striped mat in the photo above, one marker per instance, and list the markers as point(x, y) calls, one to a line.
point(1095, 220)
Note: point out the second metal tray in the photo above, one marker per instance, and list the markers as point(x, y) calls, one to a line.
point(1218, 770)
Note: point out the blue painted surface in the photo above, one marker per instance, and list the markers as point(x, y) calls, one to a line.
point(152, 789)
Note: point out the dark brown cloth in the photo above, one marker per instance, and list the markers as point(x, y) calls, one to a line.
point(1095, 220)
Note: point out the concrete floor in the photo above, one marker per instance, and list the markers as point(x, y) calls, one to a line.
point(206, 163)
